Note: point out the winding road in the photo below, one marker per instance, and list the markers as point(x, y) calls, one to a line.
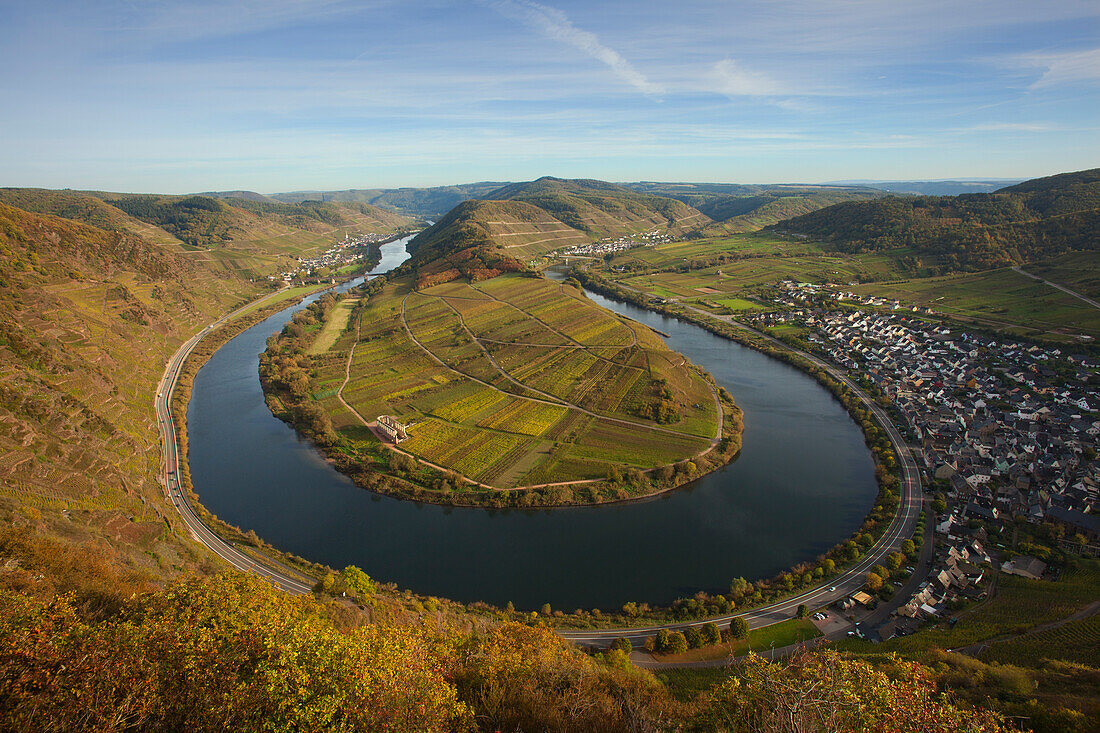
point(834, 589)
point(177, 496)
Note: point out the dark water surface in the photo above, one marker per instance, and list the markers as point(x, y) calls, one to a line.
point(803, 481)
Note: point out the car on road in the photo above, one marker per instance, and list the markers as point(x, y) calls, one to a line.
point(833, 589)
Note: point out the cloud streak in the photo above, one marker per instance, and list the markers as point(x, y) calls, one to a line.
point(554, 24)
point(733, 80)
point(1064, 68)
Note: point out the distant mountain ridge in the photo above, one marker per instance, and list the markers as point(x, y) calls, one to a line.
point(747, 207)
point(943, 187)
point(430, 203)
point(1015, 224)
point(198, 220)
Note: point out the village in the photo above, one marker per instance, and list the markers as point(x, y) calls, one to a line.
point(350, 251)
point(1005, 433)
point(608, 245)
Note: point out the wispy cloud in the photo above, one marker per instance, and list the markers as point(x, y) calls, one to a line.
point(1012, 127)
point(1063, 68)
point(733, 80)
point(555, 24)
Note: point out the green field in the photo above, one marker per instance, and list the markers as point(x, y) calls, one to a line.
point(516, 381)
point(334, 325)
point(739, 277)
point(1001, 298)
point(1079, 271)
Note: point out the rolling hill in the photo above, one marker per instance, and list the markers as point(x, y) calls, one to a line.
point(237, 234)
point(482, 238)
point(1038, 218)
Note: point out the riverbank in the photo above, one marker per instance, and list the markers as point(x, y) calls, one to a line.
point(384, 468)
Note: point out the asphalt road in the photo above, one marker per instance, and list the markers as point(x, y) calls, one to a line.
point(177, 497)
point(901, 527)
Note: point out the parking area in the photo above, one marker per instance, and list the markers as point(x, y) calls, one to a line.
point(830, 622)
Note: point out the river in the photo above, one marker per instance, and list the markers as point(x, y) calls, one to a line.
point(804, 480)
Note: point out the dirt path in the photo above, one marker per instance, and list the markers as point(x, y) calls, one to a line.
point(1056, 286)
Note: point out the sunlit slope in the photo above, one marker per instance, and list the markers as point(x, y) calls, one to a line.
point(87, 322)
point(603, 209)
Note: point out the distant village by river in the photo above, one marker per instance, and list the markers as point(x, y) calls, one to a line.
point(353, 249)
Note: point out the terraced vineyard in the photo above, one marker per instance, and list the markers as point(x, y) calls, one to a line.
point(517, 382)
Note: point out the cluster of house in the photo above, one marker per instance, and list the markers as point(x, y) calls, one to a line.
point(1004, 428)
point(607, 245)
point(957, 573)
point(793, 294)
point(349, 251)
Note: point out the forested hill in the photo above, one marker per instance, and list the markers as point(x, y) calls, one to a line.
point(602, 209)
point(1034, 219)
point(198, 220)
point(482, 238)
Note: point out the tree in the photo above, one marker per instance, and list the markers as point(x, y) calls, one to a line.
point(739, 587)
point(739, 628)
point(908, 547)
point(874, 582)
point(545, 610)
point(357, 583)
point(693, 637)
point(677, 642)
point(711, 634)
point(823, 691)
point(803, 611)
point(622, 644)
point(894, 561)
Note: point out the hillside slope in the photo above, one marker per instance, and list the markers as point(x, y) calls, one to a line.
point(479, 239)
point(603, 209)
point(238, 235)
point(748, 207)
point(88, 320)
point(1038, 218)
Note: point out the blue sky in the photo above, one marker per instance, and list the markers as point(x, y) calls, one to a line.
point(276, 95)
